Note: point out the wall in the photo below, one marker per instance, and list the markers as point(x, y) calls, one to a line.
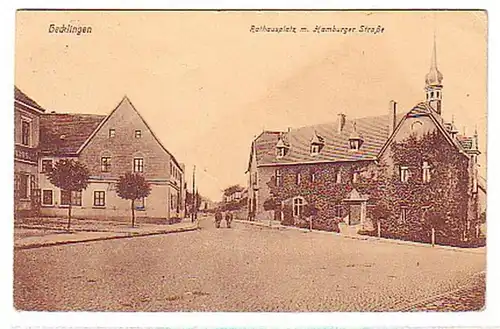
point(115, 207)
point(324, 193)
point(124, 147)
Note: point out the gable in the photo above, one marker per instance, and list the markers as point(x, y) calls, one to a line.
point(125, 120)
point(419, 121)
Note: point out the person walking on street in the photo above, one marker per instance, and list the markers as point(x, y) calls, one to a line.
point(218, 218)
point(229, 219)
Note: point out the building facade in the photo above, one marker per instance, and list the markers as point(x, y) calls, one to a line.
point(109, 146)
point(410, 171)
point(27, 115)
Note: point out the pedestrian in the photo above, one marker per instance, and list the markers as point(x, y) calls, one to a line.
point(229, 219)
point(218, 218)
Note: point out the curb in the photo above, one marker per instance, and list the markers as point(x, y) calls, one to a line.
point(368, 238)
point(115, 237)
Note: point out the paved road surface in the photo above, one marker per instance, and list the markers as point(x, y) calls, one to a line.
point(245, 268)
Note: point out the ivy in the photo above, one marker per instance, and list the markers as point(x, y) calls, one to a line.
point(441, 203)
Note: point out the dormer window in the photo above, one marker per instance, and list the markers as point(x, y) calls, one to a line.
point(354, 145)
point(281, 148)
point(280, 152)
point(317, 143)
point(355, 139)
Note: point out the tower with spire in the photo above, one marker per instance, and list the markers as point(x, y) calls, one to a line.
point(433, 85)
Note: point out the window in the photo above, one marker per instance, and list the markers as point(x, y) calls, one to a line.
point(415, 126)
point(76, 198)
point(404, 214)
point(314, 149)
point(112, 133)
point(404, 174)
point(105, 164)
point(138, 165)
point(432, 94)
point(138, 133)
point(338, 177)
point(47, 198)
point(338, 211)
point(255, 178)
point(139, 204)
point(26, 132)
point(426, 172)
point(355, 175)
point(46, 165)
point(278, 177)
point(354, 144)
point(24, 185)
point(280, 152)
point(99, 198)
point(298, 206)
point(297, 178)
point(313, 177)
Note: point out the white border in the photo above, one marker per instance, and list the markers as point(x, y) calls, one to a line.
point(24, 319)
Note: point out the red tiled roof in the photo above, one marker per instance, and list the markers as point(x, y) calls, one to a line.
point(373, 130)
point(22, 97)
point(64, 133)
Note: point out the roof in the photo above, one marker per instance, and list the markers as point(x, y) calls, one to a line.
point(64, 133)
point(424, 109)
point(23, 98)
point(374, 131)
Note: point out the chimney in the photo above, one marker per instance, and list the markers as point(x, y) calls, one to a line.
point(392, 116)
point(341, 122)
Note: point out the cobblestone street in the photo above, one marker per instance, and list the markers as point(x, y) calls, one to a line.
point(245, 268)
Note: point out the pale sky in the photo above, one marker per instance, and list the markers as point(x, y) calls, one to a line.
point(207, 86)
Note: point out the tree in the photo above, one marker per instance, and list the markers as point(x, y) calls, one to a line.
point(189, 200)
point(133, 186)
point(232, 189)
point(71, 176)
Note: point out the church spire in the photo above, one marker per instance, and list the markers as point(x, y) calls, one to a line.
point(433, 82)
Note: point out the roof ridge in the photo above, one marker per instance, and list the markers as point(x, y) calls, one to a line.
point(347, 119)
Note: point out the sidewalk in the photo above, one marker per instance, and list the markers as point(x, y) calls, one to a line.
point(47, 232)
point(277, 225)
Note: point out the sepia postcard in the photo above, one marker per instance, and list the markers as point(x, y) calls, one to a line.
point(250, 161)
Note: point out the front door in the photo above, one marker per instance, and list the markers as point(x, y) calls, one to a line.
point(354, 214)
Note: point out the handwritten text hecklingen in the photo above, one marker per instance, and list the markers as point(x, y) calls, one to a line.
point(69, 29)
point(361, 29)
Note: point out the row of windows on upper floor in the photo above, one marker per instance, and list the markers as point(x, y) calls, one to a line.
point(404, 173)
point(112, 133)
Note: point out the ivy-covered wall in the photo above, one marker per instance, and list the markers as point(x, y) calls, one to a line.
point(441, 203)
point(322, 194)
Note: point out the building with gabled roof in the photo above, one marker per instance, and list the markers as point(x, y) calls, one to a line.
point(408, 170)
point(109, 146)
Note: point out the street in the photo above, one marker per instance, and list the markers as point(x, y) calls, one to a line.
point(244, 268)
